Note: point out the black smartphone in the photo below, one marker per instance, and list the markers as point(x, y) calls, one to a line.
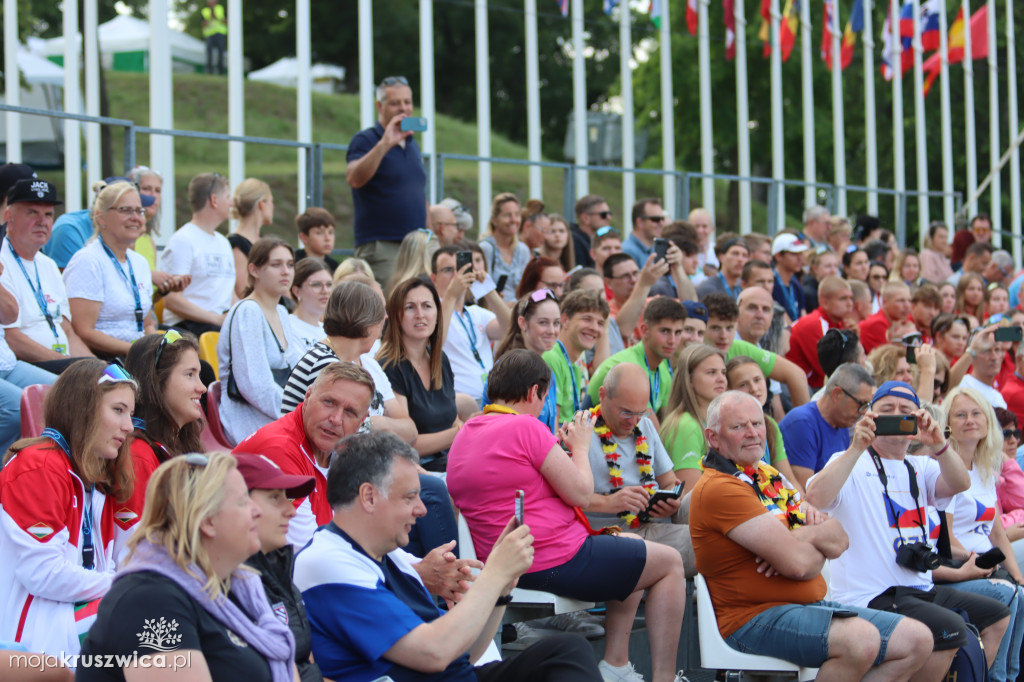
point(660, 495)
point(843, 613)
point(1012, 334)
point(462, 259)
point(499, 286)
point(911, 355)
point(520, 508)
point(660, 248)
point(895, 425)
point(991, 558)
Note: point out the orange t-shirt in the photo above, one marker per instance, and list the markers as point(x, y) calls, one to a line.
point(718, 504)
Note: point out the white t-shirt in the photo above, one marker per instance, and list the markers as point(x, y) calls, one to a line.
point(994, 397)
point(208, 258)
point(463, 334)
point(30, 320)
point(869, 566)
point(91, 275)
point(974, 512)
point(303, 334)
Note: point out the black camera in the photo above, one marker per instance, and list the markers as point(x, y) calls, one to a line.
point(917, 556)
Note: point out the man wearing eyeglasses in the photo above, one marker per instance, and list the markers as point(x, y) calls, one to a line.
point(815, 430)
point(388, 181)
point(442, 221)
point(592, 212)
point(648, 220)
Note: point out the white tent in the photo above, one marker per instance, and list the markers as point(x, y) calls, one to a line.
point(285, 72)
point(41, 137)
point(124, 46)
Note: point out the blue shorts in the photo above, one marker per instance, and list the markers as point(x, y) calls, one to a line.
point(605, 567)
point(798, 633)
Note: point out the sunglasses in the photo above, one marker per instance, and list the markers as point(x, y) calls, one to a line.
point(542, 295)
point(394, 80)
point(604, 215)
point(170, 336)
point(602, 231)
point(430, 233)
point(1015, 433)
point(115, 374)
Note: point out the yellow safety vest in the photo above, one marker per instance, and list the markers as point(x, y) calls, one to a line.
point(214, 21)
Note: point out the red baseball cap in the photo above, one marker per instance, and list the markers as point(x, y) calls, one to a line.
point(261, 473)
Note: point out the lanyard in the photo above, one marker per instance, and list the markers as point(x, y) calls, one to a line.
point(471, 335)
point(732, 291)
point(914, 492)
point(655, 382)
point(37, 289)
point(132, 284)
point(788, 293)
point(572, 376)
point(87, 550)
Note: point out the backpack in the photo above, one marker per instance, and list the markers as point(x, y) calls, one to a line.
point(969, 664)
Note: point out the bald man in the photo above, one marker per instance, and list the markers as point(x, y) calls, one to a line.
point(756, 310)
point(896, 307)
point(835, 304)
point(702, 221)
point(442, 221)
point(624, 398)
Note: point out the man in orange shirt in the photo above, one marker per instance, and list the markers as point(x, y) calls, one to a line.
point(896, 306)
point(763, 564)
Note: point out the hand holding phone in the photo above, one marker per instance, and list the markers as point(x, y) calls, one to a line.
point(520, 507)
point(1011, 334)
point(895, 425)
point(660, 248)
point(416, 124)
point(462, 259)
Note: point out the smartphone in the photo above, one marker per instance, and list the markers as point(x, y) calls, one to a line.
point(660, 248)
point(895, 425)
point(991, 558)
point(911, 355)
point(520, 508)
point(462, 259)
point(416, 124)
point(660, 495)
point(499, 286)
point(1014, 333)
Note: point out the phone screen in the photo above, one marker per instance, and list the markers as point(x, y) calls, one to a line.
point(895, 425)
point(520, 507)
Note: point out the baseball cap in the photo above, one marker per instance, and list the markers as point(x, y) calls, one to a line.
point(33, 190)
point(788, 242)
point(147, 200)
point(899, 389)
point(696, 310)
point(10, 173)
point(261, 473)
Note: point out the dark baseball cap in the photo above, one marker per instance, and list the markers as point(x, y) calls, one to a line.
point(35, 191)
point(147, 200)
point(262, 473)
point(695, 310)
point(10, 173)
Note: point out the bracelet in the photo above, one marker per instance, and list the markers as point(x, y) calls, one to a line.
point(942, 451)
point(504, 601)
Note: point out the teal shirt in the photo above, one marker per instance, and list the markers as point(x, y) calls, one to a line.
point(661, 382)
point(564, 372)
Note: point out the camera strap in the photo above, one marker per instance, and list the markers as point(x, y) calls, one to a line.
point(943, 545)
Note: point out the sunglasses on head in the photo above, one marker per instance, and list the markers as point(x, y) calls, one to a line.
point(542, 295)
point(170, 336)
point(116, 374)
point(602, 231)
point(394, 80)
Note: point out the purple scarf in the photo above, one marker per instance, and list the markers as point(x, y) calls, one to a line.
point(268, 635)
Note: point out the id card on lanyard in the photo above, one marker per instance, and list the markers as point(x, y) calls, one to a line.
point(37, 291)
point(576, 392)
point(470, 330)
point(129, 280)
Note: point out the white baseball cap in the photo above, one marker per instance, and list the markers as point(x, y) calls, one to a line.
point(788, 242)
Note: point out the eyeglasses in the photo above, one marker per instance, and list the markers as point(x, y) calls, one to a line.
point(634, 275)
point(938, 384)
point(862, 405)
point(170, 336)
point(626, 414)
point(1015, 433)
point(602, 231)
point(604, 215)
point(128, 211)
point(554, 286)
point(196, 459)
point(214, 178)
point(115, 374)
point(655, 218)
point(542, 295)
point(394, 80)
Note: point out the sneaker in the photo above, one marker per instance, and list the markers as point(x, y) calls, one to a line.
point(626, 673)
point(680, 677)
point(525, 636)
point(579, 622)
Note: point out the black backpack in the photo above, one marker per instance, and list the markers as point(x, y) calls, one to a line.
point(969, 664)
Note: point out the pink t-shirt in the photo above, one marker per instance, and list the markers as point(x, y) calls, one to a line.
point(493, 456)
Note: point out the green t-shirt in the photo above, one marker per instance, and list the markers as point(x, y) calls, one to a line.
point(685, 443)
point(661, 383)
point(764, 358)
point(561, 368)
point(780, 446)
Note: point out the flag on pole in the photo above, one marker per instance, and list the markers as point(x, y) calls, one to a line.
point(788, 27)
point(854, 25)
point(729, 18)
point(929, 20)
point(609, 5)
point(955, 43)
point(654, 9)
point(691, 16)
point(563, 6)
point(828, 17)
point(765, 31)
point(889, 38)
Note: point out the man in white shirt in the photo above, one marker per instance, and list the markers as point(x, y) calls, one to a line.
point(196, 249)
point(987, 362)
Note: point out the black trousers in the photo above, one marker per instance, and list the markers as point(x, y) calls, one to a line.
point(215, 47)
point(558, 658)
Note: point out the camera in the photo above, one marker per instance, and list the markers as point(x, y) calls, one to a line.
point(917, 556)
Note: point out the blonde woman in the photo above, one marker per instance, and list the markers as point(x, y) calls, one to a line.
point(253, 207)
point(413, 257)
point(506, 257)
point(889, 363)
point(350, 266)
point(183, 587)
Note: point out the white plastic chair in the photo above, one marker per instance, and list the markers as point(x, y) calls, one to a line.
point(716, 654)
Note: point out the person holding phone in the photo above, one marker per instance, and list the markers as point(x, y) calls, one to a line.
point(648, 220)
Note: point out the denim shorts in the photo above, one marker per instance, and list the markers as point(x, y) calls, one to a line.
point(798, 633)
point(605, 567)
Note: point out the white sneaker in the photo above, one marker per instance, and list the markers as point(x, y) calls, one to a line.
point(626, 673)
point(680, 677)
point(579, 622)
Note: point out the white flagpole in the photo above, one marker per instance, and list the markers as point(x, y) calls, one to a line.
point(72, 129)
point(628, 151)
point(12, 83)
point(236, 93)
point(367, 87)
point(161, 111)
point(533, 99)
point(838, 117)
point(948, 206)
point(870, 130)
point(93, 150)
point(483, 110)
point(899, 182)
point(427, 94)
point(579, 99)
point(668, 120)
point(303, 94)
point(1012, 121)
point(995, 191)
point(707, 160)
point(970, 144)
point(920, 142)
point(807, 95)
point(742, 114)
point(775, 71)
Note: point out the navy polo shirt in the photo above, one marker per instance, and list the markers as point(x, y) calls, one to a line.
point(394, 202)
